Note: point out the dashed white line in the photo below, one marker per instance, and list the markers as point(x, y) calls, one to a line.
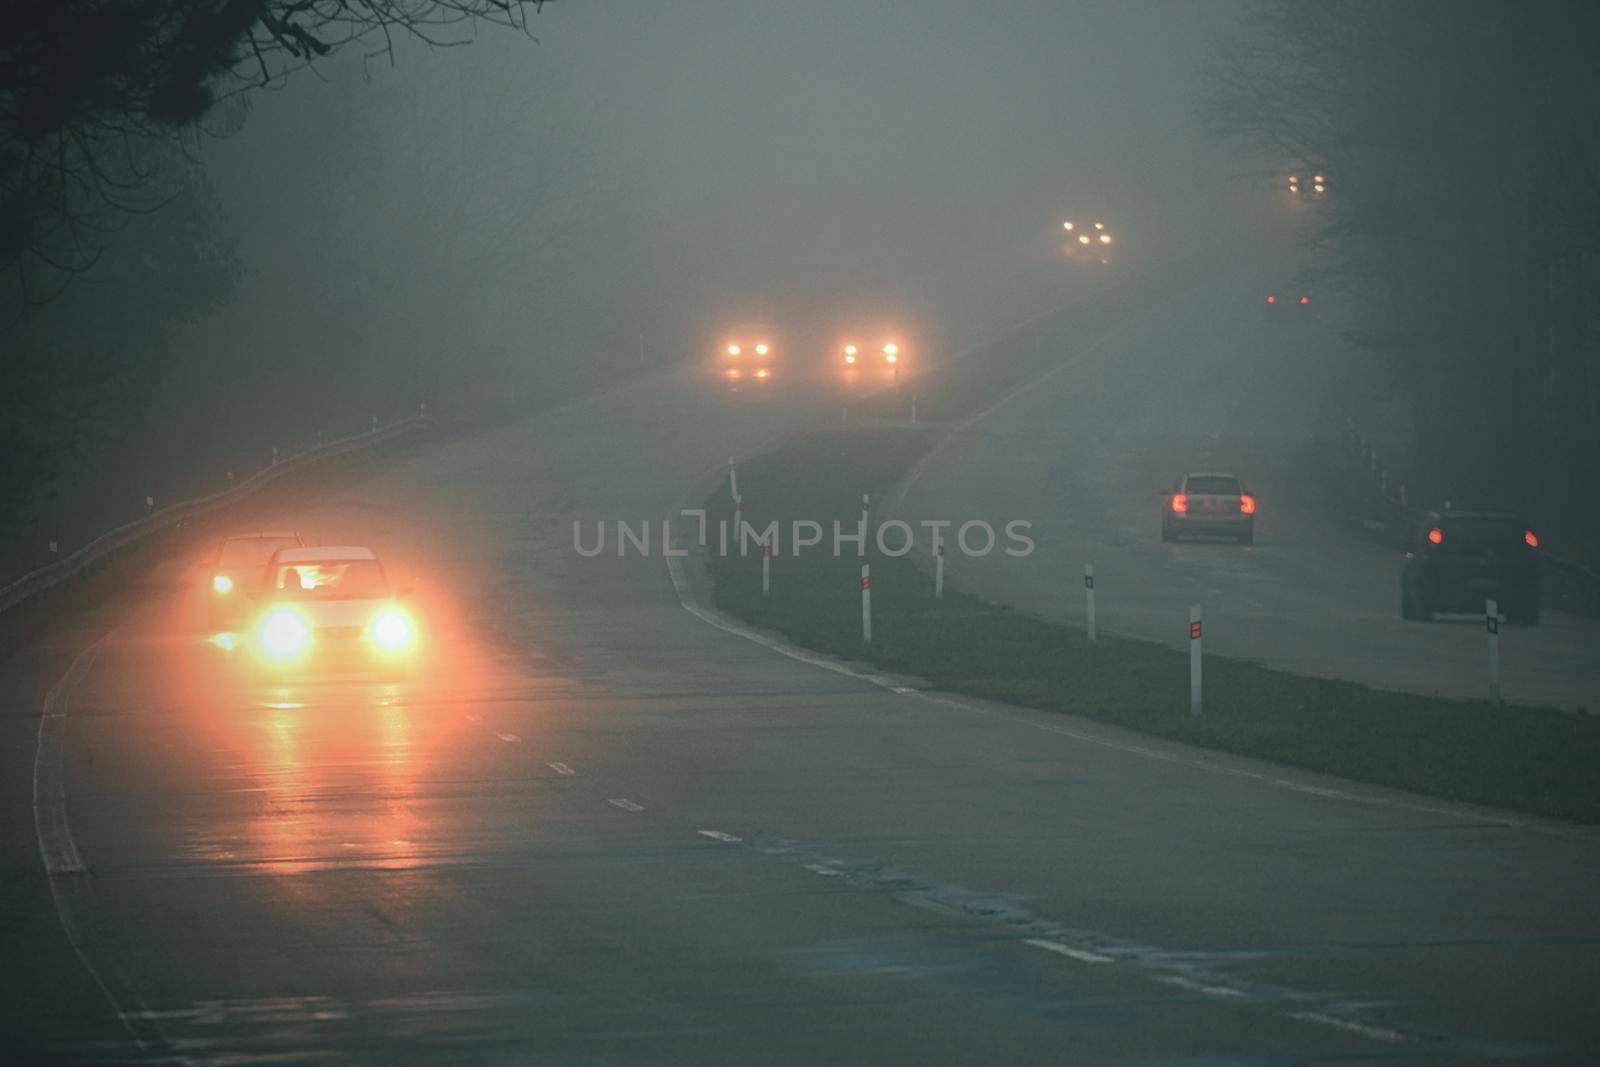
point(508, 738)
point(561, 768)
point(1377, 1033)
point(625, 804)
point(1197, 987)
point(718, 835)
point(1081, 955)
point(824, 870)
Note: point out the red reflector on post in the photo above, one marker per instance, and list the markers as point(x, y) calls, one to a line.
point(1194, 631)
point(1436, 535)
point(1532, 539)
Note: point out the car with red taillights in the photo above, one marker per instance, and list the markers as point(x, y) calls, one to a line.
point(1457, 560)
point(1208, 504)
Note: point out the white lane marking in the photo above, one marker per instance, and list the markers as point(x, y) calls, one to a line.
point(625, 804)
point(824, 870)
point(718, 835)
point(1377, 1033)
point(1197, 987)
point(64, 867)
point(561, 768)
point(472, 716)
point(508, 738)
point(1078, 954)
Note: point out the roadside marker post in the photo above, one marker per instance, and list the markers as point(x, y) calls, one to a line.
point(274, 455)
point(1491, 623)
point(733, 480)
point(1194, 659)
point(1088, 598)
point(863, 514)
point(938, 572)
point(913, 409)
point(374, 425)
point(766, 568)
point(149, 502)
point(866, 603)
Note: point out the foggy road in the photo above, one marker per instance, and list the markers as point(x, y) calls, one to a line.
point(593, 828)
point(1213, 379)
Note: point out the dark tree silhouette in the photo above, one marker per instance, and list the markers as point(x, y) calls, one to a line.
point(83, 81)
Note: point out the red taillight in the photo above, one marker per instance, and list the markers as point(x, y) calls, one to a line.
point(1305, 300)
point(1530, 537)
point(1436, 535)
point(1272, 300)
point(1247, 504)
point(1180, 503)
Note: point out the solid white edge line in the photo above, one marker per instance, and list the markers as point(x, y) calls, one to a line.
point(1196, 987)
point(561, 768)
point(625, 804)
point(64, 867)
point(718, 835)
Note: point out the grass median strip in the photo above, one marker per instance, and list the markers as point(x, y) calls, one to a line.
point(1537, 760)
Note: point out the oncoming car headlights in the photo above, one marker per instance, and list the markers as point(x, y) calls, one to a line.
point(284, 634)
point(221, 583)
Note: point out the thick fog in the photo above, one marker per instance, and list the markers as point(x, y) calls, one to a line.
point(512, 219)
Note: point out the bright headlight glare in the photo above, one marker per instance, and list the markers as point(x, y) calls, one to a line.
point(391, 629)
point(283, 633)
point(222, 583)
point(761, 350)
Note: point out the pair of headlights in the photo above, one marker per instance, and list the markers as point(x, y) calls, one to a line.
point(286, 633)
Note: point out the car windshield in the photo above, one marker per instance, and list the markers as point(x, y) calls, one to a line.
point(344, 579)
point(251, 551)
point(1212, 485)
point(1481, 535)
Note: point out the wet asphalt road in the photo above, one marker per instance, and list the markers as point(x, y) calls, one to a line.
point(593, 828)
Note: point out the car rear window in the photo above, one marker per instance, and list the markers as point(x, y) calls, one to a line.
point(1482, 535)
point(251, 551)
point(358, 579)
point(1212, 485)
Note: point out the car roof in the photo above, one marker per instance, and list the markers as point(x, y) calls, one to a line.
point(263, 535)
point(1212, 474)
point(324, 554)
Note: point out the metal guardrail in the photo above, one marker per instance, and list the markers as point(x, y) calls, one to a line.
point(76, 564)
point(1572, 584)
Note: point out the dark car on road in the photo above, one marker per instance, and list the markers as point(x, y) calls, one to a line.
point(1457, 560)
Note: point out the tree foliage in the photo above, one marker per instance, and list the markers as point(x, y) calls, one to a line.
point(84, 82)
point(1461, 142)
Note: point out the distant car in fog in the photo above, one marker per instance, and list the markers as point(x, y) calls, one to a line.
point(1208, 504)
point(235, 567)
point(747, 355)
point(1458, 559)
point(872, 358)
point(1288, 300)
point(331, 611)
point(1086, 240)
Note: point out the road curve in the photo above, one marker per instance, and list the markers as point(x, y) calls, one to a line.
point(593, 828)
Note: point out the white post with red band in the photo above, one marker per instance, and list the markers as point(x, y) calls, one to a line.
point(938, 572)
point(866, 603)
point(1491, 623)
point(733, 480)
point(1194, 659)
